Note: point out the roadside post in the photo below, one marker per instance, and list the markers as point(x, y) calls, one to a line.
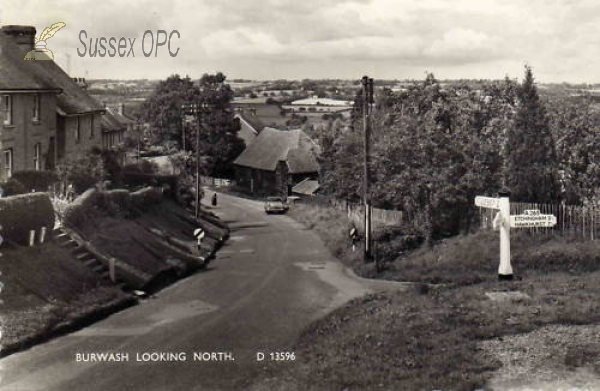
point(502, 205)
point(505, 271)
point(199, 234)
point(503, 222)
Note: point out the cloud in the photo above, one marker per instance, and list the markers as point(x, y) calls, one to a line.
point(463, 46)
point(394, 37)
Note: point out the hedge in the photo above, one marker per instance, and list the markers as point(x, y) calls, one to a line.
point(22, 213)
point(145, 198)
point(38, 180)
point(75, 213)
point(115, 202)
point(12, 187)
point(132, 178)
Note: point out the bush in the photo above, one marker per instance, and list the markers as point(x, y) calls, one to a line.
point(115, 201)
point(83, 171)
point(76, 212)
point(145, 198)
point(38, 180)
point(13, 187)
point(111, 160)
point(21, 213)
point(143, 167)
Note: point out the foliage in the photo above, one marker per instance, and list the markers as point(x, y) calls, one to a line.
point(432, 150)
point(219, 141)
point(212, 129)
point(575, 124)
point(25, 212)
point(162, 110)
point(531, 163)
point(143, 167)
point(13, 187)
point(78, 211)
point(83, 171)
point(34, 179)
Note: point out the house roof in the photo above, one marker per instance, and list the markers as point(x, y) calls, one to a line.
point(251, 126)
point(274, 145)
point(307, 187)
point(252, 120)
point(113, 121)
point(18, 74)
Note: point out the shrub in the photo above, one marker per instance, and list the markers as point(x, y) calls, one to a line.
point(143, 166)
point(76, 212)
point(111, 160)
point(83, 171)
point(145, 198)
point(115, 201)
point(21, 213)
point(38, 180)
point(13, 187)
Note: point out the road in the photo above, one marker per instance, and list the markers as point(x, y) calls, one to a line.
point(271, 279)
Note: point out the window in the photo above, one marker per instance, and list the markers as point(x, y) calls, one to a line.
point(37, 107)
point(92, 126)
point(37, 156)
point(78, 129)
point(8, 109)
point(8, 162)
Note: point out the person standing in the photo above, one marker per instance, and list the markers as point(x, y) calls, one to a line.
point(214, 199)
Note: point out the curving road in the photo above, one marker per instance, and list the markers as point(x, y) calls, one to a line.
point(269, 281)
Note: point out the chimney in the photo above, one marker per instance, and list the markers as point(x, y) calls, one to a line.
point(23, 36)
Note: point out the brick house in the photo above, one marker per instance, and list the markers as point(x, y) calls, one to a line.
point(45, 116)
point(276, 161)
point(114, 126)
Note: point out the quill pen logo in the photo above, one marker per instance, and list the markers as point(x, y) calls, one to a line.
point(40, 53)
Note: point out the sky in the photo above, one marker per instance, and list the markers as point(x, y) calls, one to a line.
point(334, 39)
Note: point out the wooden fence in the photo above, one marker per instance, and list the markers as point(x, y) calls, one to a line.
point(355, 211)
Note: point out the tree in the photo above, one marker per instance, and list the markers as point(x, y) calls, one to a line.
point(162, 110)
point(531, 170)
point(219, 140)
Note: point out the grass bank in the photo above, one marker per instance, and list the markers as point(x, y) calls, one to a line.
point(458, 329)
point(46, 291)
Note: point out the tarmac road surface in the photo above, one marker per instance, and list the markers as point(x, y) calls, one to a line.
point(270, 280)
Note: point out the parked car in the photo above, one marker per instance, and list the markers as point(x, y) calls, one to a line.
point(275, 205)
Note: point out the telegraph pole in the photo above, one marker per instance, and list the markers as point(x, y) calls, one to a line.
point(199, 109)
point(368, 101)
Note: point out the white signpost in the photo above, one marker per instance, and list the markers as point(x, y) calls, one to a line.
point(487, 202)
point(504, 222)
point(532, 219)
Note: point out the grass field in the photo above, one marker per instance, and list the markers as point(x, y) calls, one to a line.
point(459, 328)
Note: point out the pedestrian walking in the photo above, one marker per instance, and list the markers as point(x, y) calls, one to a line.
point(214, 199)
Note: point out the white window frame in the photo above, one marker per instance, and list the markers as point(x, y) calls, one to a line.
point(92, 126)
point(8, 162)
point(37, 107)
point(7, 108)
point(37, 156)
